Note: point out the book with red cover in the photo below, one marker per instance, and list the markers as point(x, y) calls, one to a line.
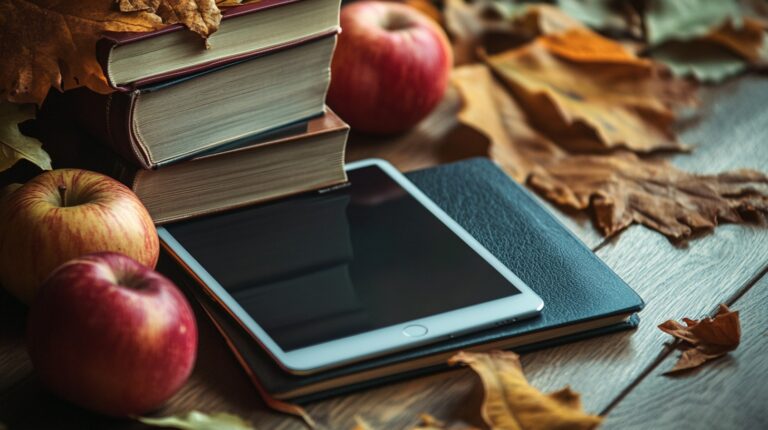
point(133, 60)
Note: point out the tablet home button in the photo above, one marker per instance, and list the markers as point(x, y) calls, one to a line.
point(415, 331)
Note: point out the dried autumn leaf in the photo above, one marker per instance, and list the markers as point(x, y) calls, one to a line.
point(15, 146)
point(201, 16)
point(589, 93)
point(46, 43)
point(706, 339)
point(723, 52)
point(199, 421)
point(620, 188)
point(614, 16)
point(489, 109)
point(749, 39)
point(490, 26)
point(705, 61)
point(682, 20)
point(510, 403)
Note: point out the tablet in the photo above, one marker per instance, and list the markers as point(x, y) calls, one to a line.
point(336, 276)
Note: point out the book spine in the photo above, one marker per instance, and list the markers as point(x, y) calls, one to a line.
point(104, 48)
point(108, 118)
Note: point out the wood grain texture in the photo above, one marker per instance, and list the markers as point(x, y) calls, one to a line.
point(674, 281)
point(728, 393)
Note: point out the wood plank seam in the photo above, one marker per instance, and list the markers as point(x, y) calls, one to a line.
point(671, 347)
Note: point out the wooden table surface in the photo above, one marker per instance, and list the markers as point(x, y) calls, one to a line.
point(618, 375)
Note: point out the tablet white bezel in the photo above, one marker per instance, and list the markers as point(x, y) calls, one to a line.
point(387, 339)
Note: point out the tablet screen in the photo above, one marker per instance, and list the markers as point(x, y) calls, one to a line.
point(318, 267)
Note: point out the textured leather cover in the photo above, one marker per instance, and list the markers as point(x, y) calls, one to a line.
point(575, 285)
point(110, 117)
point(110, 40)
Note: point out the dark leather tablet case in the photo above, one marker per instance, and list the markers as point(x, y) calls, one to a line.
point(579, 291)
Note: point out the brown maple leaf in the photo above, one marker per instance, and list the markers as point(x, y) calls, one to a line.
point(201, 16)
point(590, 94)
point(619, 187)
point(46, 43)
point(511, 403)
point(706, 339)
point(480, 26)
point(748, 40)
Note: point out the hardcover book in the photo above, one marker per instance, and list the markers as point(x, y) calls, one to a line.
point(133, 60)
point(301, 157)
point(165, 122)
point(582, 296)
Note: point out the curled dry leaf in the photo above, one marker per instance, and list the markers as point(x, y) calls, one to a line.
point(705, 339)
point(485, 25)
point(620, 188)
point(748, 39)
point(590, 93)
point(683, 20)
point(201, 16)
point(725, 51)
point(47, 44)
point(199, 421)
point(510, 403)
point(15, 146)
point(613, 16)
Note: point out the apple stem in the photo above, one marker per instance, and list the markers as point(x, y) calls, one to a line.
point(63, 195)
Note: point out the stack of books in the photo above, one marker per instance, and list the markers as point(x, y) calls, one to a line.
point(193, 131)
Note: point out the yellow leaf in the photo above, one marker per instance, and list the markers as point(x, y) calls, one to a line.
point(199, 421)
point(510, 403)
point(14, 146)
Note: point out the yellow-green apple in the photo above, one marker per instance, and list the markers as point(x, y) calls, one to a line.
point(111, 335)
point(390, 69)
point(63, 214)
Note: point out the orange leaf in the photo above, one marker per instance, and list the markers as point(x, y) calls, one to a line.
point(706, 339)
point(620, 188)
point(510, 403)
point(583, 45)
point(47, 43)
point(590, 94)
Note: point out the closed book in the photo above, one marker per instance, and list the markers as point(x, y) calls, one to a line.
point(301, 157)
point(133, 60)
point(582, 296)
point(162, 123)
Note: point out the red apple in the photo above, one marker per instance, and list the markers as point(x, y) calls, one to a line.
point(390, 68)
point(111, 335)
point(63, 214)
